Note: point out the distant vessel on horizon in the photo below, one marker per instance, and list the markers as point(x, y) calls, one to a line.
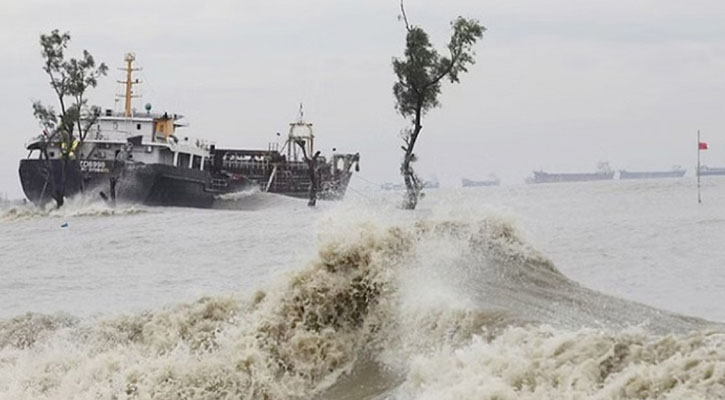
point(401, 186)
point(604, 172)
point(705, 170)
point(675, 172)
point(392, 186)
point(491, 181)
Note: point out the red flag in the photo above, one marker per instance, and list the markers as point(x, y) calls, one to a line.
point(702, 146)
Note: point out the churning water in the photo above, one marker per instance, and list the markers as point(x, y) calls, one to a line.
point(609, 290)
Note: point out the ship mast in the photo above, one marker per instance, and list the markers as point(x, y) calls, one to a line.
point(129, 82)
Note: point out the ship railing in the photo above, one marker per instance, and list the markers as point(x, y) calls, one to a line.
point(251, 164)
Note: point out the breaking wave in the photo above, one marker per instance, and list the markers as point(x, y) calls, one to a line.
point(252, 200)
point(546, 363)
point(77, 206)
point(420, 310)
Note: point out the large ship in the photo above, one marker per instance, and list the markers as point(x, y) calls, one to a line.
point(604, 172)
point(705, 170)
point(146, 158)
point(675, 172)
point(491, 181)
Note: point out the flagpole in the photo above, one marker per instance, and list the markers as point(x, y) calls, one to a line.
point(699, 198)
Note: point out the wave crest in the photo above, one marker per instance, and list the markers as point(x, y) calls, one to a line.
point(542, 362)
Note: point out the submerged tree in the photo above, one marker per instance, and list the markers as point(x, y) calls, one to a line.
point(420, 72)
point(312, 171)
point(70, 79)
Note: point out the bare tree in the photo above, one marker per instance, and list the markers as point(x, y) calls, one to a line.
point(420, 72)
point(312, 171)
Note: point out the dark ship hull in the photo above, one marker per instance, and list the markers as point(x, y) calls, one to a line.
point(44, 181)
point(149, 184)
point(651, 174)
point(545, 177)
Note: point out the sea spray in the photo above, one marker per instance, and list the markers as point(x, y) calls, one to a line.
point(546, 363)
point(24, 331)
point(76, 206)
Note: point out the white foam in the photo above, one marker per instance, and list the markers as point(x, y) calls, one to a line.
point(545, 363)
point(76, 206)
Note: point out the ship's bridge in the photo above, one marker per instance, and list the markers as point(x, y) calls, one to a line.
point(153, 127)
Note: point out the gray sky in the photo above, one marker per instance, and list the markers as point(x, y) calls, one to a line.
point(558, 84)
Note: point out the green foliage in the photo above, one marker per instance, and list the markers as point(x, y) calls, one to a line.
point(70, 79)
point(46, 116)
point(421, 69)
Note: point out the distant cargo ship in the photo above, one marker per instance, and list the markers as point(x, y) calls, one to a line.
point(392, 186)
point(705, 170)
point(675, 172)
point(604, 172)
point(492, 181)
point(400, 186)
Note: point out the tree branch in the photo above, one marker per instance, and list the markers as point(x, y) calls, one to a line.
point(405, 17)
point(454, 59)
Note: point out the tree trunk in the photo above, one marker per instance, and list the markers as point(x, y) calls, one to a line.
point(113, 182)
point(311, 171)
point(412, 185)
point(412, 190)
point(314, 182)
point(59, 192)
point(313, 191)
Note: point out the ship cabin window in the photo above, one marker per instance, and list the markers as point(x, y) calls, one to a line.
point(196, 164)
point(183, 160)
point(138, 127)
point(52, 154)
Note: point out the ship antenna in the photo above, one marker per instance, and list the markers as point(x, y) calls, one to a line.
point(129, 82)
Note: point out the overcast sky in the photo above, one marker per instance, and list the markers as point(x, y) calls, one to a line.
point(558, 84)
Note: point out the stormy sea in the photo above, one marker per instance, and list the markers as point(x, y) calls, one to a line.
point(606, 290)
